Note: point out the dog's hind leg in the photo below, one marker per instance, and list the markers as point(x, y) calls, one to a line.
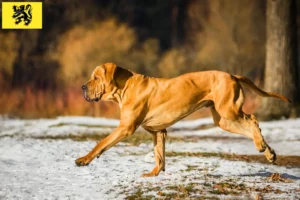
point(159, 139)
point(246, 125)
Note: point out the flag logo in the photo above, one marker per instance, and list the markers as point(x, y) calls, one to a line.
point(21, 15)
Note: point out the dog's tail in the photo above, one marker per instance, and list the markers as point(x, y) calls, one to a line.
point(249, 84)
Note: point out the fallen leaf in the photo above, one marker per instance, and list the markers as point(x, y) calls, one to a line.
point(277, 177)
point(220, 188)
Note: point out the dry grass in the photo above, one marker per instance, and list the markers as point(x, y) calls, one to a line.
point(84, 47)
point(32, 103)
point(8, 52)
point(288, 161)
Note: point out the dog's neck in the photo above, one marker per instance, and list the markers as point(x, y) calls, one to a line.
point(117, 94)
point(117, 97)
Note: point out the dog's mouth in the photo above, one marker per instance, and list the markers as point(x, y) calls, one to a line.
point(88, 98)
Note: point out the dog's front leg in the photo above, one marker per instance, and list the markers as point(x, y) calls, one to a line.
point(117, 135)
point(159, 140)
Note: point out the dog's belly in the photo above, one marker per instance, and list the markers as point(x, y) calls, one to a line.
point(163, 117)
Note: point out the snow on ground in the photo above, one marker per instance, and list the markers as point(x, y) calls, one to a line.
point(33, 168)
point(278, 134)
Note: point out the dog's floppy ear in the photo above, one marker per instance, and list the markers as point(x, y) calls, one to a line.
point(116, 75)
point(121, 75)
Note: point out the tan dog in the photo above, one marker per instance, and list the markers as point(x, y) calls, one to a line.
point(157, 103)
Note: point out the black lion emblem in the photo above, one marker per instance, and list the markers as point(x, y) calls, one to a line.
point(22, 13)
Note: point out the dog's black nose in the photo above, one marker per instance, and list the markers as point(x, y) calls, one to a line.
point(84, 87)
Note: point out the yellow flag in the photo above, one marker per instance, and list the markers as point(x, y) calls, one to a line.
point(22, 15)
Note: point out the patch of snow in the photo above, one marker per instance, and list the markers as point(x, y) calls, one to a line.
point(61, 126)
point(149, 157)
point(88, 121)
point(34, 169)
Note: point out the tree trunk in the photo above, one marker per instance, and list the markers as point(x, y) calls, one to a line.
point(280, 61)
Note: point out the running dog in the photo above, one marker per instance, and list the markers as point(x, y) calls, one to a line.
point(157, 103)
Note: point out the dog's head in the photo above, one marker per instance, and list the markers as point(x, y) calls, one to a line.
point(105, 80)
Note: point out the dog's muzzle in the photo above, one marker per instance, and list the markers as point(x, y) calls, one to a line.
point(84, 89)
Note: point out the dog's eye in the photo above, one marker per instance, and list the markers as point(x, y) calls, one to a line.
point(95, 78)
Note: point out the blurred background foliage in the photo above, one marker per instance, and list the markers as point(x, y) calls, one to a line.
point(41, 71)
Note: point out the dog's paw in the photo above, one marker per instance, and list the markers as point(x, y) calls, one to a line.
point(154, 172)
point(273, 158)
point(83, 161)
point(261, 145)
point(151, 174)
point(270, 155)
point(262, 148)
